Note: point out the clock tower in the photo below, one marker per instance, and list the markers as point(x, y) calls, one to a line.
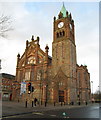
point(64, 50)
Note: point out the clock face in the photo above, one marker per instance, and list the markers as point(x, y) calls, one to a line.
point(60, 25)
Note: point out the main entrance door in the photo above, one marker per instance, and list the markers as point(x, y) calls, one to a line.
point(61, 96)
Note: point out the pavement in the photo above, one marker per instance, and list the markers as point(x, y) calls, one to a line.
point(10, 108)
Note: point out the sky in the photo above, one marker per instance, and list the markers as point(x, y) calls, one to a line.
point(36, 18)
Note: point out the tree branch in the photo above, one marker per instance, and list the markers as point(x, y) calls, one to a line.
point(5, 25)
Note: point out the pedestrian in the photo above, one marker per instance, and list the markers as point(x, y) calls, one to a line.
point(26, 103)
point(35, 100)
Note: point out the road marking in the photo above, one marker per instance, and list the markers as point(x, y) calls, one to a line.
point(65, 117)
point(37, 113)
point(53, 115)
point(9, 116)
point(13, 116)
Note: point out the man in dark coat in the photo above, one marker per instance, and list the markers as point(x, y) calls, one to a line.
point(35, 100)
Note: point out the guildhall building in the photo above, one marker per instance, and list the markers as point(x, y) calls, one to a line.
point(56, 79)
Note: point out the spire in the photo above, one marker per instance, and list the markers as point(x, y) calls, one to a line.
point(46, 48)
point(63, 11)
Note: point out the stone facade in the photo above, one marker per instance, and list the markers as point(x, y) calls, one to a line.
point(55, 79)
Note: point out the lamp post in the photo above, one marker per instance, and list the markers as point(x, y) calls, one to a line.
point(86, 95)
point(79, 95)
point(40, 94)
point(99, 93)
point(92, 89)
point(46, 94)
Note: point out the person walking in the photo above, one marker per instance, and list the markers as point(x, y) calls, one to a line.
point(35, 100)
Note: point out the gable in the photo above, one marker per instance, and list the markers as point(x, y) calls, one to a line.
point(60, 76)
point(32, 53)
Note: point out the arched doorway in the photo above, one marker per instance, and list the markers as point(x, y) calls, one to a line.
point(61, 96)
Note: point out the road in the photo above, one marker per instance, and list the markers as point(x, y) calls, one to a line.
point(80, 112)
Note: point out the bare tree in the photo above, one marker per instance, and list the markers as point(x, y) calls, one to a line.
point(5, 25)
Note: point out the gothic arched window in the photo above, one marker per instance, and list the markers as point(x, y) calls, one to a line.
point(60, 34)
point(63, 33)
point(57, 35)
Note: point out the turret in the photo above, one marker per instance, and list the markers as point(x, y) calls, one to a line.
point(26, 43)
point(46, 53)
point(60, 15)
point(67, 13)
point(37, 47)
point(32, 38)
point(38, 40)
point(18, 58)
point(70, 16)
point(54, 18)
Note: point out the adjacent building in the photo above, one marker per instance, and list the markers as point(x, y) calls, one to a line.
point(83, 84)
point(7, 86)
point(58, 78)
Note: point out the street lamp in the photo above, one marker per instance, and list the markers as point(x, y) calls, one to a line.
point(92, 89)
point(99, 93)
point(40, 100)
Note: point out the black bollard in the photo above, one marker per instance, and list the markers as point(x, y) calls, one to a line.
point(79, 103)
point(26, 104)
point(72, 103)
point(45, 104)
point(32, 103)
point(86, 103)
point(54, 103)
